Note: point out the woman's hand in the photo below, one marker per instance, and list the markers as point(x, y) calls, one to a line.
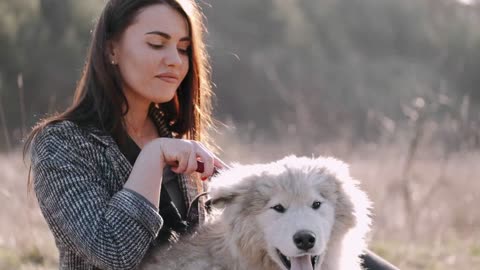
point(183, 156)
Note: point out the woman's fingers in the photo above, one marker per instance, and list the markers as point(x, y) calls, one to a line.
point(192, 161)
point(206, 158)
point(208, 167)
point(182, 163)
point(217, 163)
point(184, 155)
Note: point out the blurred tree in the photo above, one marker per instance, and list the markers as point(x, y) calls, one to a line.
point(44, 41)
point(324, 65)
point(320, 67)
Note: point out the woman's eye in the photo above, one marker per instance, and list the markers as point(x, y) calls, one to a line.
point(183, 51)
point(279, 208)
point(155, 46)
point(316, 205)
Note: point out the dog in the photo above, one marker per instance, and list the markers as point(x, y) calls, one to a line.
point(297, 213)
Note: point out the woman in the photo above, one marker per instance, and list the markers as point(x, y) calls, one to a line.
point(139, 113)
point(145, 80)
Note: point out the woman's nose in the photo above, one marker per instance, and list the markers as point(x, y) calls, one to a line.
point(173, 58)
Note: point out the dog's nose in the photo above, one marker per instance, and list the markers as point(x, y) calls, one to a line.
point(304, 240)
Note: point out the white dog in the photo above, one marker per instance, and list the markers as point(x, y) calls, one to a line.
point(293, 214)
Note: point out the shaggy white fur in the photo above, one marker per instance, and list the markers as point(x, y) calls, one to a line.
point(297, 213)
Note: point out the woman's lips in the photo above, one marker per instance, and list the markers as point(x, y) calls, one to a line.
point(168, 77)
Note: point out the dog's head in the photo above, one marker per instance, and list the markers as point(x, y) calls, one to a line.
point(289, 210)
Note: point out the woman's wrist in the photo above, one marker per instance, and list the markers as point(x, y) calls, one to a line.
point(147, 172)
point(152, 154)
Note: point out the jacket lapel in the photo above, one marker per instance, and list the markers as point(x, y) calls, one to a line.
point(121, 166)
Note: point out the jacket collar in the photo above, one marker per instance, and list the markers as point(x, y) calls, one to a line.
point(101, 136)
point(155, 114)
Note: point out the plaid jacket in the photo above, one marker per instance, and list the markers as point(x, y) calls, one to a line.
point(78, 179)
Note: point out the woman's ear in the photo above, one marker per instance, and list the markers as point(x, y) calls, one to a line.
point(112, 52)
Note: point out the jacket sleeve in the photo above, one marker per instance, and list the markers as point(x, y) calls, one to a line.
point(111, 232)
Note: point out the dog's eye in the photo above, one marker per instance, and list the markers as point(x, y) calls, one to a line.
point(316, 205)
point(279, 208)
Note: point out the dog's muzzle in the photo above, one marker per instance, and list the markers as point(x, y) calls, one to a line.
point(305, 262)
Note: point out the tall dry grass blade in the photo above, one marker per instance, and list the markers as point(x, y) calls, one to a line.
point(21, 100)
point(4, 126)
point(409, 161)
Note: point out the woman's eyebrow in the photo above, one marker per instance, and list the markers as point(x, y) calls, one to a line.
point(167, 36)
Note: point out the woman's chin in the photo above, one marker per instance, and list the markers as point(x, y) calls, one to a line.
point(162, 98)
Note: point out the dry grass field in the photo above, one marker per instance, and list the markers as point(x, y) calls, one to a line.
point(437, 229)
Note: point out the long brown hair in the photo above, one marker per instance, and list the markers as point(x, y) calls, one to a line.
point(99, 98)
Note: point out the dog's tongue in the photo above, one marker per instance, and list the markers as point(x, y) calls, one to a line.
point(301, 263)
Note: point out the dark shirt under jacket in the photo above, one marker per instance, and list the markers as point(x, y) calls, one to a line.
point(172, 205)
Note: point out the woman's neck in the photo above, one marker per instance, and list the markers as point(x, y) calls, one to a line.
point(138, 125)
point(136, 118)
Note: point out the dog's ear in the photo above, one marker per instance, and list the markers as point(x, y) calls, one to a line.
point(232, 183)
point(222, 196)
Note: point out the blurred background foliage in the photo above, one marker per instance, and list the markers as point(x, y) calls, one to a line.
point(390, 86)
point(316, 69)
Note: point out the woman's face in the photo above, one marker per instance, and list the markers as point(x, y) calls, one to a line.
point(152, 55)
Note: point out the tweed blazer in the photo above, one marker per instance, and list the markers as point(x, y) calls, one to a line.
point(78, 176)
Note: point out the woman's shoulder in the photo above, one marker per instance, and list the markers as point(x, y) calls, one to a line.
point(61, 125)
point(65, 135)
point(63, 130)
